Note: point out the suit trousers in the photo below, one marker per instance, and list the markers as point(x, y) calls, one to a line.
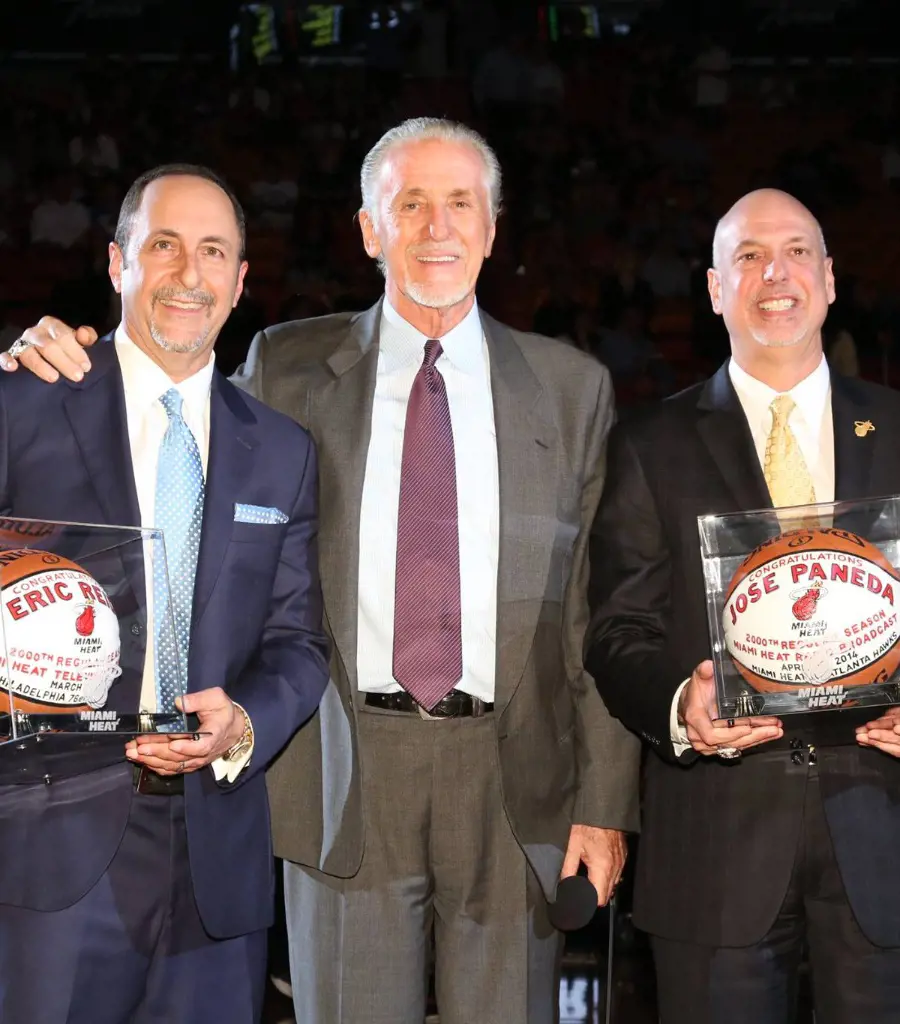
point(439, 854)
point(133, 949)
point(852, 980)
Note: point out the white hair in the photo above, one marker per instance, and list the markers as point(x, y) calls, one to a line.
point(417, 129)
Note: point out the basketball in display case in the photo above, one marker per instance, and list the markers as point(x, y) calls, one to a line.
point(61, 634)
point(804, 616)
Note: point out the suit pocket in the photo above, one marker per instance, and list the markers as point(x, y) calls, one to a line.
point(258, 533)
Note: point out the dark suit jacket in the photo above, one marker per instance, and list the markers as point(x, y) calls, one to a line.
point(562, 757)
point(64, 454)
point(719, 840)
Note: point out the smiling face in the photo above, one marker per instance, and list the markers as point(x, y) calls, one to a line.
point(182, 274)
point(432, 226)
point(772, 282)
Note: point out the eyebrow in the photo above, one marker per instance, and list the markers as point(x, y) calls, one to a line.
point(752, 242)
point(217, 239)
point(455, 193)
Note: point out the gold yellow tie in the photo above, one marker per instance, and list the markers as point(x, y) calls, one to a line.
point(785, 469)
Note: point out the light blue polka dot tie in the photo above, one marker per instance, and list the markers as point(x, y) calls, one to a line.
point(179, 514)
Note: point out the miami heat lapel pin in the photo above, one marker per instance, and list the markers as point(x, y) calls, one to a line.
point(862, 427)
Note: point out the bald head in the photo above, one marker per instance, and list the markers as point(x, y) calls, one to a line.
point(772, 283)
point(763, 204)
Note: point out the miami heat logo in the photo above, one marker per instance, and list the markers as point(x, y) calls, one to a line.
point(806, 601)
point(84, 624)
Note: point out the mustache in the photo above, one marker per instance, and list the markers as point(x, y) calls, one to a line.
point(180, 295)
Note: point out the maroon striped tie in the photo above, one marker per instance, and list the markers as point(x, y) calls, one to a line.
point(427, 619)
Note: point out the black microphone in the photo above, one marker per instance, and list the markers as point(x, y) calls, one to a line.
point(576, 904)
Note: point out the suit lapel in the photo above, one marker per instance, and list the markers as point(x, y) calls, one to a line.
point(232, 441)
point(726, 433)
point(853, 462)
point(95, 408)
point(340, 418)
point(528, 456)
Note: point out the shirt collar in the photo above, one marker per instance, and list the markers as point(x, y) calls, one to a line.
point(811, 394)
point(400, 343)
point(146, 382)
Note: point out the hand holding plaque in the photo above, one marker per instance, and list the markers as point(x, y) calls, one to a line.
point(709, 734)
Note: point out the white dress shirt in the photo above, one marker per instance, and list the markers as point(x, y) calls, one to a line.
point(464, 365)
point(812, 424)
point(145, 382)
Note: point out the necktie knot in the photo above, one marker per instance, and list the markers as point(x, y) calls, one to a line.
point(172, 403)
point(782, 406)
point(433, 352)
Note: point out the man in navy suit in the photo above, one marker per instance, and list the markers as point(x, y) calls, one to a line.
point(141, 892)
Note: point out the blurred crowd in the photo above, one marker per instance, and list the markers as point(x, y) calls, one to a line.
point(618, 160)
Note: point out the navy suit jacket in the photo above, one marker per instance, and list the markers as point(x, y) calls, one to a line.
point(257, 631)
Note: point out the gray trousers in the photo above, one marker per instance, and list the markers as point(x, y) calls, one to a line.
point(439, 853)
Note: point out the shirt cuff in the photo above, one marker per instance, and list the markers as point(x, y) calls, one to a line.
point(228, 771)
point(678, 732)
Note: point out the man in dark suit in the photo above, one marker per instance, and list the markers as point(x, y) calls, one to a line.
point(759, 835)
point(141, 892)
point(461, 760)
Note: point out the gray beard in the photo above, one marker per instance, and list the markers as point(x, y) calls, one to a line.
point(763, 339)
point(423, 297)
point(181, 347)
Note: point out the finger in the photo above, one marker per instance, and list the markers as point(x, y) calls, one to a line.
point(882, 738)
point(173, 750)
point(194, 748)
point(729, 738)
point(54, 358)
point(213, 699)
point(712, 736)
point(880, 723)
point(156, 752)
point(86, 336)
point(571, 863)
point(725, 737)
point(168, 769)
point(758, 721)
point(7, 362)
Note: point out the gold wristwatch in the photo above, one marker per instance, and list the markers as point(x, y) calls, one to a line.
point(245, 743)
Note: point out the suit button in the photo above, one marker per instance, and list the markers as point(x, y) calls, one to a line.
point(796, 744)
point(796, 757)
point(135, 629)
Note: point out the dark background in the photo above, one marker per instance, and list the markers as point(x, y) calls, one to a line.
point(625, 129)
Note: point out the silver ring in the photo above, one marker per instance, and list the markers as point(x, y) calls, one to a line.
point(181, 766)
point(728, 753)
point(19, 346)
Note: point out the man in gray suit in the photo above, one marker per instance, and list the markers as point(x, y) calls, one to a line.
point(461, 761)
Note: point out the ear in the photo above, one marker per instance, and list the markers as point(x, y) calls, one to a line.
point(116, 266)
point(714, 287)
point(829, 280)
point(370, 239)
point(492, 234)
point(239, 284)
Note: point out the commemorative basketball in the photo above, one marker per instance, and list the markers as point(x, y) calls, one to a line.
point(60, 649)
point(813, 608)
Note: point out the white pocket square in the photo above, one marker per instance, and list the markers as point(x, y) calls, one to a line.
point(258, 514)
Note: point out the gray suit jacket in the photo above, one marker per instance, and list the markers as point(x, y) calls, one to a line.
point(562, 757)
